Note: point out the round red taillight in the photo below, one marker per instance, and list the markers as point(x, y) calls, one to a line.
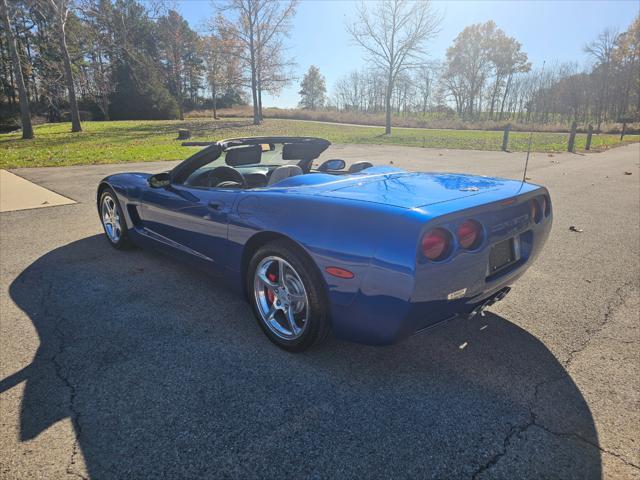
point(469, 234)
point(534, 211)
point(436, 244)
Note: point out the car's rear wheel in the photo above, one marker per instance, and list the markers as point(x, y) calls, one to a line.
point(286, 295)
point(112, 220)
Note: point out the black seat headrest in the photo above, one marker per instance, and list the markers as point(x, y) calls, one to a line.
point(302, 150)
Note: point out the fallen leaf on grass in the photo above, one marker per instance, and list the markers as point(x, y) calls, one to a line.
point(573, 228)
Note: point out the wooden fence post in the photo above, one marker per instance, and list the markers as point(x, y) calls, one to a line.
point(624, 126)
point(572, 137)
point(505, 137)
point(589, 135)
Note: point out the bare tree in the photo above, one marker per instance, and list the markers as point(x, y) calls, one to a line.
point(424, 80)
point(215, 60)
point(257, 29)
point(601, 50)
point(25, 114)
point(222, 68)
point(393, 35)
point(61, 10)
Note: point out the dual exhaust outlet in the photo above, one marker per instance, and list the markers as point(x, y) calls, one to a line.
point(479, 309)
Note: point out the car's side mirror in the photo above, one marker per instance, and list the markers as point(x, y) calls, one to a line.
point(160, 180)
point(333, 164)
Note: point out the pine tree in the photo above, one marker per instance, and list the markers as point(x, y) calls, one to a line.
point(312, 89)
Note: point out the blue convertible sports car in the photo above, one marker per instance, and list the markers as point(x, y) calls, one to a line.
point(373, 254)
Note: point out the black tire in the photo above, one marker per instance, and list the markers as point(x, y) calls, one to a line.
point(123, 242)
point(318, 323)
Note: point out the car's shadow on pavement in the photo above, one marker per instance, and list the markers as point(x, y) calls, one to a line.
point(164, 373)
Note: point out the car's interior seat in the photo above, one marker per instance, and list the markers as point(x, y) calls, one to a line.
point(283, 172)
point(359, 166)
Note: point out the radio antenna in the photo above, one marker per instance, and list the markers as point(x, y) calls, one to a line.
point(526, 162)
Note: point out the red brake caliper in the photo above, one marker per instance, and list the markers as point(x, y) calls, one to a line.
point(270, 295)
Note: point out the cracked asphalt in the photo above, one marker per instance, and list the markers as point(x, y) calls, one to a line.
point(131, 365)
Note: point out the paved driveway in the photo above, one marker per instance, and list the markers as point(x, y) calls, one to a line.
point(129, 365)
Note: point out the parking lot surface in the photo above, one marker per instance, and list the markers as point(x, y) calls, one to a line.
point(130, 365)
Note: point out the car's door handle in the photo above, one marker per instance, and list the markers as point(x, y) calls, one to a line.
point(215, 204)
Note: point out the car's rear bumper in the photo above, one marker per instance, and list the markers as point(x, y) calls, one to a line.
point(391, 306)
point(383, 320)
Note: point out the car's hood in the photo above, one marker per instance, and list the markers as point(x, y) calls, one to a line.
point(412, 190)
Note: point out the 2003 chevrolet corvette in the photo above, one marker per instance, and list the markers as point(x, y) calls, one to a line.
point(372, 254)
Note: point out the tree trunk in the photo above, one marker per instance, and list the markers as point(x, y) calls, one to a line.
point(254, 95)
point(494, 95)
point(214, 101)
point(387, 106)
point(504, 97)
point(34, 83)
point(104, 106)
point(180, 108)
point(68, 73)
point(259, 83)
point(254, 80)
point(25, 114)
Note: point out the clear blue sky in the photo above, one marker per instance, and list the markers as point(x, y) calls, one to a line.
point(548, 30)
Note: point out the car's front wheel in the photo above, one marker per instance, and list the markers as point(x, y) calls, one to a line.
point(285, 292)
point(112, 220)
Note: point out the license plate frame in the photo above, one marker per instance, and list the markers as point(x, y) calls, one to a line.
point(502, 255)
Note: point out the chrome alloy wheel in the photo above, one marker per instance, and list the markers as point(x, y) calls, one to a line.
point(281, 298)
point(111, 219)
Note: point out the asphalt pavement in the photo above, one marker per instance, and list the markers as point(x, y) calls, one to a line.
point(130, 365)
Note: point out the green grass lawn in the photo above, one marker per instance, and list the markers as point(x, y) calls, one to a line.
point(142, 141)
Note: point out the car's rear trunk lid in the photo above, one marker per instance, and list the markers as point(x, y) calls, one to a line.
point(413, 190)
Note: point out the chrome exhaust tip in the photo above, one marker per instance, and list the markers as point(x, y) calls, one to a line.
point(479, 309)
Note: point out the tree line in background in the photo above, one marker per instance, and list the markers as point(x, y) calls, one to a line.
point(487, 76)
point(69, 60)
point(122, 59)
